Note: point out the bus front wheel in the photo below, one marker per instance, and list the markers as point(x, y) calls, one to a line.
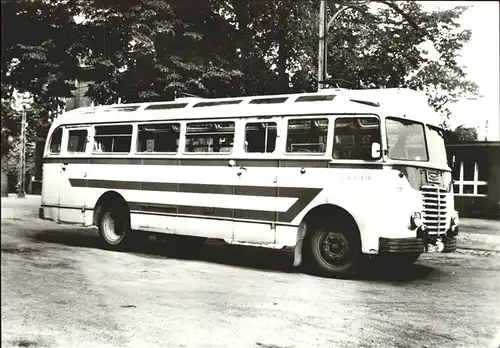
point(336, 252)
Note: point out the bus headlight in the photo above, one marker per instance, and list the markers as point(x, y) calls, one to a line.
point(416, 220)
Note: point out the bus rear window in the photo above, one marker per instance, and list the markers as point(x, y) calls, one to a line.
point(210, 137)
point(159, 137)
point(55, 141)
point(113, 138)
point(307, 136)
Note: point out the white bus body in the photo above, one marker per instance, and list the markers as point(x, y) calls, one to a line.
point(334, 174)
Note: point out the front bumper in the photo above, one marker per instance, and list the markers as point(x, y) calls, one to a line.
point(401, 245)
point(421, 244)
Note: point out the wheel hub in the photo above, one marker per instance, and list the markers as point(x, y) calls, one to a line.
point(111, 228)
point(334, 248)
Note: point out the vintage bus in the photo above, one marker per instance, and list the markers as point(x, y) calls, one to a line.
point(333, 176)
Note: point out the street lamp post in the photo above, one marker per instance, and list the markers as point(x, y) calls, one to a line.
point(322, 41)
point(344, 5)
point(323, 32)
point(21, 193)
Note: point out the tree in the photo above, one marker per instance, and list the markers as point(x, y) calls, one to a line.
point(144, 51)
point(462, 134)
point(40, 54)
point(40, 57)
point(381, 49)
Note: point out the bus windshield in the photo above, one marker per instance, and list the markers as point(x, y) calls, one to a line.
point(436, 145)
point(406, 140)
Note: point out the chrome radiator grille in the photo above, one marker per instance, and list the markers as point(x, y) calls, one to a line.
point(434, 204)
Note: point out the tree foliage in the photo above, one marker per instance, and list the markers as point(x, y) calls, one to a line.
point(462, 134)
point(380, 49)
point(39, 54)
point(146, 50)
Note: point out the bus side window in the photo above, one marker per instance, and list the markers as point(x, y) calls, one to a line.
point(217, 137)
point(354, 136)
point(260, 137)
point(55, 141)
point(307, 135)
point(113, 138)
point(77, 140)
point(158, 137)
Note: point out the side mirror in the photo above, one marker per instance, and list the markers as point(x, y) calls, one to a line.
point(376, 150)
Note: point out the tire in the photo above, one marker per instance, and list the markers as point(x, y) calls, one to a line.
point(114, 227)
point(335, 252)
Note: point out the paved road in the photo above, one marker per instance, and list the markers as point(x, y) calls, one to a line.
point(59, 289)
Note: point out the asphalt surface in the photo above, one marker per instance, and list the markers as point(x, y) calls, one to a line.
point(61, 289)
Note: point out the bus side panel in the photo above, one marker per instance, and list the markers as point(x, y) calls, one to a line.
point(72, 197)
point(255, 198)
point(50, 190)
point(379, 203)
point(360, 192)
point(286, 235)
point(167, 191)
point(189, 226)
point(251, 232)
point(88, 218)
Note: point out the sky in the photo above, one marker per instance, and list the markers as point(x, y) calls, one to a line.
point(481, 59)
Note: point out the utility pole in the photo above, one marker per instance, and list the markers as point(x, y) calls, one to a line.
point(324, 26)
point(322, 39)
point(21, 193)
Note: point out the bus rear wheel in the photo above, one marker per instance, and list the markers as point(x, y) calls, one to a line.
point(114, 228)
point(335, 252)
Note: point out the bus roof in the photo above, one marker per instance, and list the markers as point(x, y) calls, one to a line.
point(384, 102)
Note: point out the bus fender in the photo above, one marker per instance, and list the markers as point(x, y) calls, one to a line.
point(297, 251)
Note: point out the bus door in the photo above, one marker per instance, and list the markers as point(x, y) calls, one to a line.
point(73, 173)
point(255, 191)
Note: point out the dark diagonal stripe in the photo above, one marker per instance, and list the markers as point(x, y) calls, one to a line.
point(304, 197)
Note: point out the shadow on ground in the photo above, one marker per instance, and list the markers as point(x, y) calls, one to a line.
point(222, 253)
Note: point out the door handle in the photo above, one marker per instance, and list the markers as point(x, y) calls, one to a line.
point(241, 170)
point(64, 165)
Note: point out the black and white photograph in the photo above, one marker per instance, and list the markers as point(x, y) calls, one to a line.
point(250, 173)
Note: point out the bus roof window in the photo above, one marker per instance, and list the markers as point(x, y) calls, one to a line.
point(215, 103)
point(166, 106)
point(311, 98)
point(268, 100)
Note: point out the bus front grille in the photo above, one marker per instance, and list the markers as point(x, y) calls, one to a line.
point(434, 204)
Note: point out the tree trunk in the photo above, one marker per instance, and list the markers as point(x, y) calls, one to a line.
point(282, 48)
point(5, 184)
